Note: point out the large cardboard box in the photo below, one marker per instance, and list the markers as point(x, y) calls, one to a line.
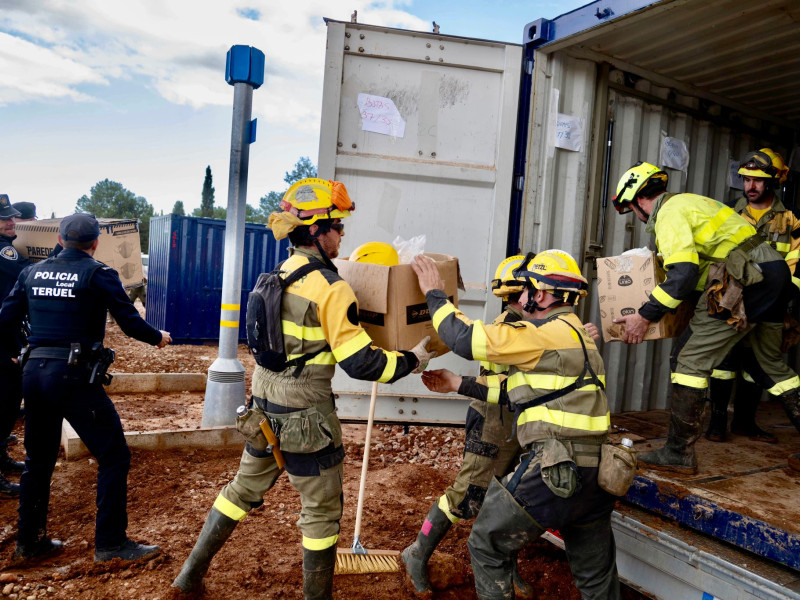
point(119, 245)
point(392, 309)
point(624, 284)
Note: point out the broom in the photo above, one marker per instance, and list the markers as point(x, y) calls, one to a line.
point(356, 560)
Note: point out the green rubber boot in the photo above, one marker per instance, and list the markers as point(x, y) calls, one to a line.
point(216, 530)
point(318, 568)
point(415, 558)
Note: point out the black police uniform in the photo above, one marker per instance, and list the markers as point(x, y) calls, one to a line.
point(67, 297)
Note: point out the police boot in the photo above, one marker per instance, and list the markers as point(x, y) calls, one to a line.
point(216, 530)
point(502, 528)
point(678, 455)
point(745, 405)
point(720, 390)
point(415, 558)
point(8, 464)
point(127, 551)
point(8, 489)
point(318, 568)
point(523, 589)
point(791, 404)
point(40, 547)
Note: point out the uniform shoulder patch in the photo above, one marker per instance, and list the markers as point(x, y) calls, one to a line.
point(9, 253)
point(514, 324)
point(330, 276)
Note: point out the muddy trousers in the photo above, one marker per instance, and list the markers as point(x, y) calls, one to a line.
point(518, 517)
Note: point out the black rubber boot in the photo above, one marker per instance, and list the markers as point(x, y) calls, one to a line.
point(523, 589)
point(318, 568)
point(415, 558)
point(502, 529)
point(8, 489)
point(127, 551)
point(685, 425)
point(720, 391)
point(745, 405)
point(40, 548)
point(216, 531)
point(791, 404)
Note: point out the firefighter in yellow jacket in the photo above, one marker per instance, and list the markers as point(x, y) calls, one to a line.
point(693, 233)
point(555, 384)
point(762, 171)
point(319, 317)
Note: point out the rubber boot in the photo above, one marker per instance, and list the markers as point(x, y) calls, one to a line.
point(720, 391)
point(216, 530)
point(318, 568)
point(523, 589)
point(415, 558)
point(502, 529)
point(678, 455)
point(791, 404)
point(745, 405)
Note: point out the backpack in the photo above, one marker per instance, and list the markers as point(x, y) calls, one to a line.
point(263, 319)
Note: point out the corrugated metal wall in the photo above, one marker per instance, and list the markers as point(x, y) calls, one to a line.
point(563, 201)
point(185, 274)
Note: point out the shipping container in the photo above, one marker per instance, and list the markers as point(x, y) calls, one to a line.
point(184, 288)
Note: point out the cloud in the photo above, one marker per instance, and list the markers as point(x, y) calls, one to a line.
point(64, 47)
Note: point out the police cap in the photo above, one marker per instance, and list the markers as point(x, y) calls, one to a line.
point(6, 210)
point(27, 210)
point(80, 227)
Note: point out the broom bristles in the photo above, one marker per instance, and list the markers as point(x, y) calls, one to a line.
point(382, 561)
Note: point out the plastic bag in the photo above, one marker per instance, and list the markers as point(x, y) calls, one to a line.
point(408, 249)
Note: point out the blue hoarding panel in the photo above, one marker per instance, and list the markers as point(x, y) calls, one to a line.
point(184, 288)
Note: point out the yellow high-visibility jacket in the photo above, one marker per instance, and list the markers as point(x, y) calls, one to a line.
point(543, 356)
point(780, 228)
point(509, 315)
point(689, 230)
point(320, 312)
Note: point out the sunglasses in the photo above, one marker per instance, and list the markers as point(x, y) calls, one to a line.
point(337, 227)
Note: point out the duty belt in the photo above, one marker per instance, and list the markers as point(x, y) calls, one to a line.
point(50, 352)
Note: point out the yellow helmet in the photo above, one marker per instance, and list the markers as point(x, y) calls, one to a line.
point(764, 163)
point(505, 282)
point(633, 182)
point(377, 253)
point(312, 199)
point(555, 271)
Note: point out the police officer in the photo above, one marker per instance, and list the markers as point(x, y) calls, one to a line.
point(27, 211)
point(555, 383)
point(66, 298)
point(319, 317)
point(11, 264)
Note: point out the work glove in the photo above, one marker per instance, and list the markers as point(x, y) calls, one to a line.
point(422, 354)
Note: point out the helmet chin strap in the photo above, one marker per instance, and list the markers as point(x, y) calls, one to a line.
point(531, 306)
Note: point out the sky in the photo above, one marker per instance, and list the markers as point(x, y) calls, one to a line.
point(134, 90)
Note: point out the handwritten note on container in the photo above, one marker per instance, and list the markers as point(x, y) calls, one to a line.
point(380, 115)
point(569, 132)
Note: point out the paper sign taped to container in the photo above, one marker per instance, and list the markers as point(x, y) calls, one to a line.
point(735, 180)
point(674, 154)
point(569, 132)
point(380, 115)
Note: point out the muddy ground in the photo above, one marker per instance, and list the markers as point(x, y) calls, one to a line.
point(170, 494)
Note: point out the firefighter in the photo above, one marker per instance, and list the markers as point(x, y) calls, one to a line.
point(763, 171)
point(555, 384)
point(319, 317)
point(489, 449)
point(739, 284)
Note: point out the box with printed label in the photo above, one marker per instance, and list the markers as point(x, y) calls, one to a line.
point(624, 284)
point(119, 246)
point(391, 307)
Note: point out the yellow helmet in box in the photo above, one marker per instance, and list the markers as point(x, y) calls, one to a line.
point(764, 163)
point(505, 282)
point(377, 253)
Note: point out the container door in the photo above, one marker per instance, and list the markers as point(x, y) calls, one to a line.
point(420, 127)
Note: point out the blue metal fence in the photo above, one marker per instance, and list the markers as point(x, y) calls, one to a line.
point(184, 288)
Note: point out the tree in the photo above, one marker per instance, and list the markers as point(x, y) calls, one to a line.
point(177, 208)
point(207, 198)
point(303, 168)
point(110, 199)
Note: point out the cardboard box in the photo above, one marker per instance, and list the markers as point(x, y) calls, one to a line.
point(624, 284)
point(392, 309)
point(119, 246)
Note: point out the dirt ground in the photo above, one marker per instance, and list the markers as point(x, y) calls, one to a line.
point(170, 493)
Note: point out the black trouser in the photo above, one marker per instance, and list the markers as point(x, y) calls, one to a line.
point(10, 399)
point(53, 392)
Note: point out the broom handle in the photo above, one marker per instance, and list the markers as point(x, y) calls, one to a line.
point(372, 402)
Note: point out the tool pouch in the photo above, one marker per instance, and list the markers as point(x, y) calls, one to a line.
point(307, 431)
point(743, 268)
point(559, 472)
point(617, 469)
point(248, 426)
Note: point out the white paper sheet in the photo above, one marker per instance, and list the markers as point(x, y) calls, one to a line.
point(380, 115)
point(569, 132)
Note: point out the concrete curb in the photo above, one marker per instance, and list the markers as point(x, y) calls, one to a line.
point(139, 383)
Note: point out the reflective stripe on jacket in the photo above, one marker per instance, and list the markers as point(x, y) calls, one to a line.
point(320, 311)
point(689, 230)
point(543, 355)
point(780, 228)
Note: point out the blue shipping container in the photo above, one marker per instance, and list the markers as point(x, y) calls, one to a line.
point(184, 287)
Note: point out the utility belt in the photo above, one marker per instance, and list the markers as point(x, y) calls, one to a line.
point(96, 361)
point(585, 452)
